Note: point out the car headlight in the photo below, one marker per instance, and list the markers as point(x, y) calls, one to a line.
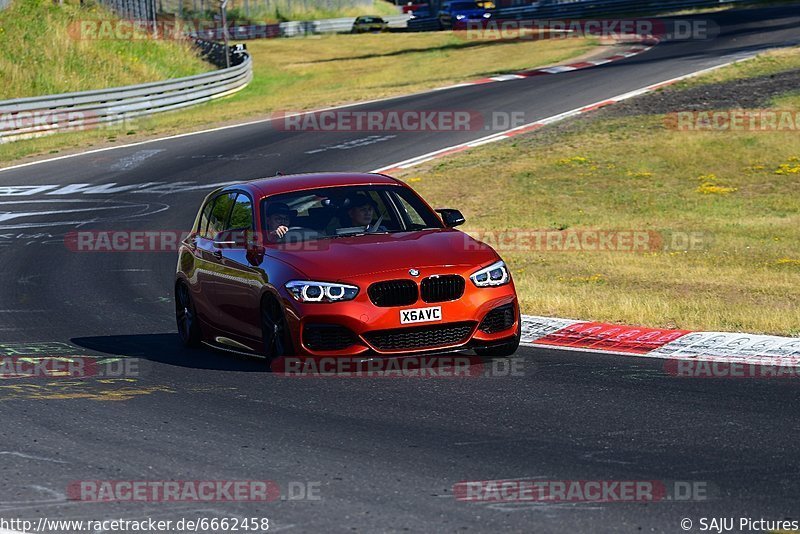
point(460, 17)
point(494, 275)
point(487, 15)
point(309, 291)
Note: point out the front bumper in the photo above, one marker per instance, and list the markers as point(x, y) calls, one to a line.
point(378, 330)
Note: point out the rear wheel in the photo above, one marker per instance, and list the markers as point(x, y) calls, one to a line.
point(276, 337)
point(186, 317)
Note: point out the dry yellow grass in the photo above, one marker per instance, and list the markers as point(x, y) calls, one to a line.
point(738, 192)
point(767, 63)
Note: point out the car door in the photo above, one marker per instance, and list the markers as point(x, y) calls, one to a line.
point(203, 275)
point(208, 256)
point(239, 289)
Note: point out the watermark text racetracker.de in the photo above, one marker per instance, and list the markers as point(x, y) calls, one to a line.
point(610, 29)
point(530, 240)
point(143, 29)
point(735, 120)
point(435, 366)
point(45, 121)
point(592, 240)
point(67, 367)
point(581, 491)
point(778, 368)
point(408, 120)
point(203, 491)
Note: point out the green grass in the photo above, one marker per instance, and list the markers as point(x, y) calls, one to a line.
point(42, 57)
point(740, 191)
point(307, 73)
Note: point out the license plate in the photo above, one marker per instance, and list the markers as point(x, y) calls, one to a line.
point(421, 315)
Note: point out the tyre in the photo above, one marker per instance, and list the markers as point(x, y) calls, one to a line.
point(276, 337)
point(186, 317)
point(505, 349)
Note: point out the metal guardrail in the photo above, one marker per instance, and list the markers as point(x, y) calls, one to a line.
point(23, 118)
point(295, 28)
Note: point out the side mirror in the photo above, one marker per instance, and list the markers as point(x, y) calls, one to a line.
point(451, 218)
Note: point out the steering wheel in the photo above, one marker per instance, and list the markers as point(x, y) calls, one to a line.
point(299, 232)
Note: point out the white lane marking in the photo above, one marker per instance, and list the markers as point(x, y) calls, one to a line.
point(30, 456)
point(507, 77)
point(558, 69)
point(8, 215)
point(411, 162)
point(103, 189)
point(129, 163)
point(57, 494)
point(154, 188)
point(355, 143)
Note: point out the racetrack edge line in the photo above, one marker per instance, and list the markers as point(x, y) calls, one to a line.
point(506, 134)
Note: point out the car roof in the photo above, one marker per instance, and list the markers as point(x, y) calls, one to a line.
point(274, 185)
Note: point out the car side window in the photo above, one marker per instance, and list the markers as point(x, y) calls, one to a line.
point(241, 214)
point(410, 213)
point(383, 210)
point(202, 227)
point(219, 214)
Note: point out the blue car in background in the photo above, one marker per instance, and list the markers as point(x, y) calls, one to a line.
point(453, 13)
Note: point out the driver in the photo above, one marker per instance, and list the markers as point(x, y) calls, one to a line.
point(361, 210)
point(278, 217)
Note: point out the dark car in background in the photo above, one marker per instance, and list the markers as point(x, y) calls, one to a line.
point(366, 24)
point(454, 13)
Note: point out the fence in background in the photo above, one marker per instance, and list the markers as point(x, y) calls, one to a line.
point(23, 118)
point(294, 28)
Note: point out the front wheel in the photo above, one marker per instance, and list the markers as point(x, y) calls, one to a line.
point(275, 330)
point(506, 349)
point(186, 317)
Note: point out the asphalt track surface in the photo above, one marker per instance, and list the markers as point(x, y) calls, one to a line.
point(384, 453)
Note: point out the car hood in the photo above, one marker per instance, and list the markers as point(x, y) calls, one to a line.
point(347, 257)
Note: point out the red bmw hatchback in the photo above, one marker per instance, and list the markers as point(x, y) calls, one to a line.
point(339, 265)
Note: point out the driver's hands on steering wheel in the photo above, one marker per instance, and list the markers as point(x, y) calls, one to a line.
point(279, 232)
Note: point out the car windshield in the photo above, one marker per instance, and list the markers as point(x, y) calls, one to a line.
point(464, 5)
point(333, 212)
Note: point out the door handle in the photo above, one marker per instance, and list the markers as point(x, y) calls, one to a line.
point(218, 254)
